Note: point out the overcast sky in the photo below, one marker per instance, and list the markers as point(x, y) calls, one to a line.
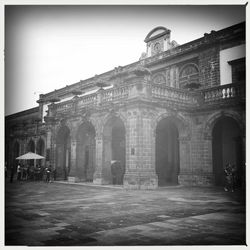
point(49, 47)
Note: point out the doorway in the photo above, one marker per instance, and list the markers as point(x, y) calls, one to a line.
point(167, 153)
point(227, 147)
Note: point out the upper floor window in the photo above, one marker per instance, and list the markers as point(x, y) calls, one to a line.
point(159, 79)
point(189, 77)
point(238, 70)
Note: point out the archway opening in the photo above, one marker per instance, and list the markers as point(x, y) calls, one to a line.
point(114, 151)
point(85, 152)
point(227, 147)
point(31, 148)
point(167, 153)
point(63, 153)
point(40, 150)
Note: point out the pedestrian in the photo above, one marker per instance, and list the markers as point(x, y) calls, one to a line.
point(116, 172)
point(19, 172)
point(22, 169)
point(228, 178)
point(48, 171)
point(234, 177)
point(31, 172)
point(24, 177)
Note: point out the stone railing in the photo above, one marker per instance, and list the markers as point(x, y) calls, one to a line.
point(159, 93)
point(61, 107)
point(116, 94)
point(87, 100)
point(224, 92)
point(173, 94)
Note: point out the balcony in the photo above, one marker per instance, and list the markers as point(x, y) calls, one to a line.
point(225, 93)
point(158, 94)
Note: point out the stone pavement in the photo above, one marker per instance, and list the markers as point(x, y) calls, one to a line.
point(60, 214)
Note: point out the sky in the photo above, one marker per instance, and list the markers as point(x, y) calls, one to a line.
point(49, 47)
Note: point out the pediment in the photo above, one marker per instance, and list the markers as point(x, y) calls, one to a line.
point(156, 33)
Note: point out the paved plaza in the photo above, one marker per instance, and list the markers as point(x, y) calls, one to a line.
point(61, 214)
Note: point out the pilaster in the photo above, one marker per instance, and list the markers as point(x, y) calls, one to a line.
point(72, 175)
point(140, 170)
point(98, 178)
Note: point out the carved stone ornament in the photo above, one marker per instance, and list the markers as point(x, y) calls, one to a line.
point(140, 70)
point(49, 119)
point(118, 73)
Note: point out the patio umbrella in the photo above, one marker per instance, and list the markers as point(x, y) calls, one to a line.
point(30, 156)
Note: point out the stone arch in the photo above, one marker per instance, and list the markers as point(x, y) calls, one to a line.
point(189, 76)
point(31, 147)
point(194, 65)
point(85, 150)
point(114, 115)
point(159, 78)
point(212, 119)
point(114, 140)
point(226, 131)
point(172, 133)
point(180, 122)
point(40, 149)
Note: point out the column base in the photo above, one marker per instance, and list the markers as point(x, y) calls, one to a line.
point(196, 179)
point(73, 179)
point(100, 181)
point(140, 181)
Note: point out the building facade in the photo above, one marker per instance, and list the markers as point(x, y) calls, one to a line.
point(176, 116)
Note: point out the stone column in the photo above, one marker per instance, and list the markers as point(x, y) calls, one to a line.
point(207, 173)
point(185, 176)
point(72, 175)
point(22, 145)
point(140, 170)
point(198, 169)
point(98, 159)
point(50, 147)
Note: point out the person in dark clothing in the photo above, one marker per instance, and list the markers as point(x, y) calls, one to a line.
point(229, 178)
point(48, 172)
point(116, 171)
point(19, 172)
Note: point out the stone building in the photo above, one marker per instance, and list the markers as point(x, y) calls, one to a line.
point(176, 116)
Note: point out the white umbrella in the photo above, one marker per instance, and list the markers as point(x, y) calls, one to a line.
point(30, 156)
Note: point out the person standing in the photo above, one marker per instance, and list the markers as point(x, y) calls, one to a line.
point(48, 171)
point(19, 172)
point(228, 178)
